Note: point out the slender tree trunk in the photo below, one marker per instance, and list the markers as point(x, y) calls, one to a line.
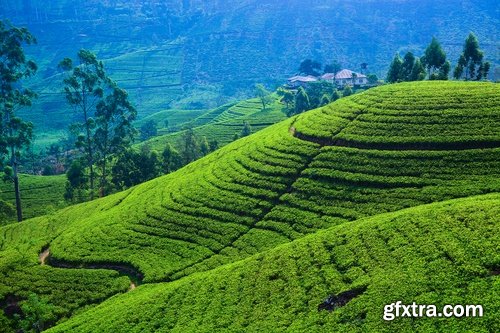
point(15, 177)
point(19, 208)
point(90, 157)
point(17, 190)
point(102, 192)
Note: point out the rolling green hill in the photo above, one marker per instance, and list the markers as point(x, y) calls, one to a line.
point(444, 253)
point(383, 150)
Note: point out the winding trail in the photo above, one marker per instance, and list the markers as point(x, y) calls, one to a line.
point(134, 275)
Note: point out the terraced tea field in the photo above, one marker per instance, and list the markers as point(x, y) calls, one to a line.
point(206, 226)
point(438, 254)
point(40, 194)
point(223, 123)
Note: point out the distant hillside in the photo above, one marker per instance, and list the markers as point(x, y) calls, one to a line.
point(223, 123)
point(387, 149)
point(197, 54)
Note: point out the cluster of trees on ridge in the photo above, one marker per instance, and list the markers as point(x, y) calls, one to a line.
point(315, 94)
point(433, 65)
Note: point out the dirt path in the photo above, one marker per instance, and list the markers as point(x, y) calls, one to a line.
point(134, 276)
point(42, 257)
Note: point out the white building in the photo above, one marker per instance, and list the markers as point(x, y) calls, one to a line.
point(301, 81)
point(346, 77)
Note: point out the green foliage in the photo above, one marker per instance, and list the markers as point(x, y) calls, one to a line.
point(247, 130)
point(434, 58)
point(105, 111)
point(302, 102)
point(470, 64)
point(372, 78)
point(394, 69)
point(76, 186)
point(418, 71)
point(37, 314)
point(334, 67)
point(315, 92)
point(15, 133)
point(347, 91)
point(7, 211)
point(213, 145)
point(263, 94)
point(409, 69)
point(204, 147)
point(190, 147)
point(310, 67)
point(132, 168)
point(171, 159)
point(287, 97)
point(39, 193)
point(149, 129)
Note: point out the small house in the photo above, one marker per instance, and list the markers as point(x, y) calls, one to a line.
point(301, 81)
point(346, 77)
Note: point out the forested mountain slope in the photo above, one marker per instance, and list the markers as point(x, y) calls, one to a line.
point(188, 53)
point(384, 150)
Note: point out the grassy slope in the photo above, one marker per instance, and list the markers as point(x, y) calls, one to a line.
point(223, 123)
point(261, 191)
point(439, 254)
point(40, 194)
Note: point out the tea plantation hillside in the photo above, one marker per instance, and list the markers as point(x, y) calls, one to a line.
point(221, 124)
point(444, 253)
point(311, 172)
point(40, 194)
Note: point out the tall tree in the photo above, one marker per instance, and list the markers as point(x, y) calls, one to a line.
point(171, 159)
point(334, 67)
point(470, 64)
point(301, 101)
point(114, 131)
point(263, 94)
point(84, 87)
point(204, 148)
point(434, 58)
point(15, 133)
point(190, 146)
point(418, 71)
point(76, 182)
point(106, 114)
point(213, 145)
point(150, 129)
point(132, 167)
point(444, 71)
point(247, 129)
point(287, 97)
point(393, 75)
point(407, 67)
